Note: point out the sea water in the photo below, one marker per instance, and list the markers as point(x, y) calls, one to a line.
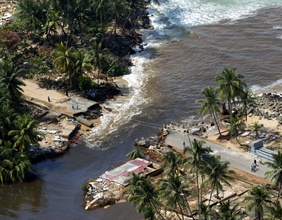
point(176, 26)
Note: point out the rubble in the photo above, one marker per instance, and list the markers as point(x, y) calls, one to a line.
point(108, 188)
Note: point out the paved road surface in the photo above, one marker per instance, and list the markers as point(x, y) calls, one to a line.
point(238, 160)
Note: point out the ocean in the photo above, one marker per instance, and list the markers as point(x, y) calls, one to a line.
point(189, 44)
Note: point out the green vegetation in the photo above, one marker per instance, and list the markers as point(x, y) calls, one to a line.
point(275, 174)
point(135, 154)
point(211, 103)
point(18, 132)
point(258, 199)
point(174, 192)
point(233, 90)
point(231, 86)
point(72, 38)
point(80, 41)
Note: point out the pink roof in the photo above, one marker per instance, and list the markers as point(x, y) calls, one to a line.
point(121, 173)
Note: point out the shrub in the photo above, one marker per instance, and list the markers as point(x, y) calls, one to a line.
point(85, 187)
point(117, 69)
point(10, 39)
point(85, 83)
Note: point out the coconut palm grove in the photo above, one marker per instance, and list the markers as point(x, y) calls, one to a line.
point(85, 43)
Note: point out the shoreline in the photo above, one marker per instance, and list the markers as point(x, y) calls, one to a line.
point(60, 123)
point(58, 107)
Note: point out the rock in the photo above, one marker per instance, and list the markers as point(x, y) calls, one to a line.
point(164, 132)
point(141, 143)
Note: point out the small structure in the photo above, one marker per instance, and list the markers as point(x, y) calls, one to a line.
point(256, 145)
point(260, 151)
point(122, 173)
point(107, 189)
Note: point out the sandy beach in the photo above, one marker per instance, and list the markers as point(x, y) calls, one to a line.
point(269, 126)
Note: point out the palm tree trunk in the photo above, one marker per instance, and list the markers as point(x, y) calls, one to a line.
point(114, 31)
point(279, 191)
point(127, 19)
point(181, 210)
point(216, 124)
point(98, 76)
point(159, 213)
point(201, 195)
point(238, 140)
point(189, 138)
point(198, 188)
point(230, 108)
point(189, 208)
point(211, 196)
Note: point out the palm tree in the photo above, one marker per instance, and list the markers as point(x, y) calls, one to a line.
point(24, 133)
point(7, 116)
point(10, 82)
point(226, 212)
point(236, 126)
point(117, 9)
point(230, 85)
point(100, 9)
point(217, 173)
point(135, 154)
point(82, 62)
point(134, 8)
point(258, 198)
point(207, 212)
point(275, 174)
point(211, 103)
point(99, 57)
point(33, 12)
point(173, 194)
point(53, 22)
point(4, 98)
point(256, 126)
point(275, 211)
point(197, 155)
point(172, 163)
point(143, 194)
point(247, 100)
point(65, 61)
point(14, 165)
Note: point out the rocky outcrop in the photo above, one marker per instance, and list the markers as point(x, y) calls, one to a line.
point(269, 106)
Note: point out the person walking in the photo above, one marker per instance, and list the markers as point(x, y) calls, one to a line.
point(253, 167)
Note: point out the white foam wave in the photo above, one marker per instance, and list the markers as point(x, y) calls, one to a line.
point(277, 27)
point(274, 87)
point(189, 13)
point(123, 107)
